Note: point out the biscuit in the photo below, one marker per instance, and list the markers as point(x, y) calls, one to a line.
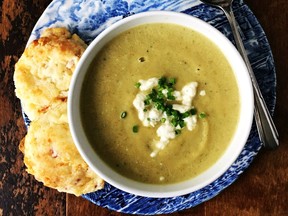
point(43, 72)
point(42, 78)
point(51, 156)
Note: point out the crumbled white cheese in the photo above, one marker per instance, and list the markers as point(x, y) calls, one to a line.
point(177, 95)
point(181, 108)
point(154, 153)
point(190, 122)
point(202, 93)
point(188, 93)
point(139, 105)
point(148, 84)
point(151, 117)
point(165, 132)
point(165, 91)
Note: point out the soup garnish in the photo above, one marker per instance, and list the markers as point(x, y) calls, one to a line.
point(158, 102)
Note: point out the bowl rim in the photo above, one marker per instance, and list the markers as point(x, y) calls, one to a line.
point(175, 189)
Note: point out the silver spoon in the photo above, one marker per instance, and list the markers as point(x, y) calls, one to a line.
point(266, 128)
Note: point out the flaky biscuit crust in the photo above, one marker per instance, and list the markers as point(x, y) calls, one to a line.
point(51, 156)
point(43, 73)
point(42, 78)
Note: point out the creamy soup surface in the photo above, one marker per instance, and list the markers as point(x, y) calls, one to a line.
point(159, 50)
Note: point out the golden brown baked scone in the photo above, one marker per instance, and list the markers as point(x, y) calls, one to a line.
point(43, 72)
point(42, 78)
point(51, 156)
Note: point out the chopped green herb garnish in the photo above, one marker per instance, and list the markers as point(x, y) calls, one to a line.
point(174, 122)
point(159, 106)
point(170, 90)
point(147, 102)
point(135, 129)
point(186, 114)
point(162, 81)
point(162, 97)
point(177, 132)
point(176, 114)
point(193, 111)
point(123, 114)
point(182, 123)
point(202, 115)
point(137, 85)
point(170, 97)
point(172, 81)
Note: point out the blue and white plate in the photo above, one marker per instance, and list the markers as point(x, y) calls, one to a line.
point(88, 18)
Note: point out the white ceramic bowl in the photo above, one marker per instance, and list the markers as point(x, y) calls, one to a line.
point(238, 141)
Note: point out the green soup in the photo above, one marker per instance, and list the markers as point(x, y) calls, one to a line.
point(157, 50)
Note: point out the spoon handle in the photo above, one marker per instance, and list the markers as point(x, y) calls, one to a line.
point(265, 125)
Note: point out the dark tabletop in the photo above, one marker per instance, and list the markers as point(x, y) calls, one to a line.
point(261, 190)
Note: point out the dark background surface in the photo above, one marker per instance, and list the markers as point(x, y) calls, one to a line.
point(261, 190)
